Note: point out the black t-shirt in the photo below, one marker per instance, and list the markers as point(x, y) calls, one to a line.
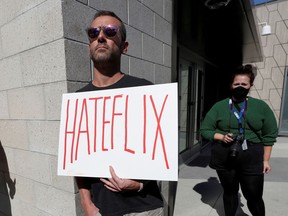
point(125, 81)
point(118, 204)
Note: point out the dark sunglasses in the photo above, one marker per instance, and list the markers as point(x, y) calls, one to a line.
point(109, 31)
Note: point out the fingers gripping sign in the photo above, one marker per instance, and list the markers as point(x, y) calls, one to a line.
point(117, 184)
point(114, 183)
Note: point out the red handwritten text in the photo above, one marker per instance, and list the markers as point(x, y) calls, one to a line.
point(107, 111)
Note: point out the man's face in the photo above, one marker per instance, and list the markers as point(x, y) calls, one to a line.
point(105, 49)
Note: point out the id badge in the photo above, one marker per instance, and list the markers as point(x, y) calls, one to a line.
point(244, 145)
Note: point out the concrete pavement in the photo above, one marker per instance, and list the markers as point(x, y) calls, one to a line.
point(199, 192)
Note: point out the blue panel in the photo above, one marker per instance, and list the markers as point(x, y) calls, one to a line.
point(256, 2)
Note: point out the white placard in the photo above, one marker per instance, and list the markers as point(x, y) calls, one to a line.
point(134, 130)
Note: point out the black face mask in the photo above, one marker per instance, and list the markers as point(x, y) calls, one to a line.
point(239, 93)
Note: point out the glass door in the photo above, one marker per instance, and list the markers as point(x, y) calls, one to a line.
point(190, 100)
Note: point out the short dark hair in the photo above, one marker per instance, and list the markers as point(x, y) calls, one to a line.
point(244, 70)
point(112, 14)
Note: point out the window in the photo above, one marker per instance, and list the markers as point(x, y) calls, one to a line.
point(283, 126)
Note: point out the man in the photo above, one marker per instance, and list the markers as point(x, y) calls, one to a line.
point(114, 196)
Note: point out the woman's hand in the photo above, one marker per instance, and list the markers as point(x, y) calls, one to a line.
point(266, 167)
point(267, 153)
point(226, 138)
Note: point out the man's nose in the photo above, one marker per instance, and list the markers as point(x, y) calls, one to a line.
point(101, 35)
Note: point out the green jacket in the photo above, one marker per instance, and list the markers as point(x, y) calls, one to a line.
point(259, 122)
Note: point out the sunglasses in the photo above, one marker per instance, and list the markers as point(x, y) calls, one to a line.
point(109, 31)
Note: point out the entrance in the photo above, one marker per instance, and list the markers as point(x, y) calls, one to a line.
point(190, 80)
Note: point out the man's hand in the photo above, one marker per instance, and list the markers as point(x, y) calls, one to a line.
point(117, 184)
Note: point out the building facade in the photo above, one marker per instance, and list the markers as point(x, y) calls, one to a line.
point(272, 71)
point(44, 53)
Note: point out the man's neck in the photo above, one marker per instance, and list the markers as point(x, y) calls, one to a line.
point(103, 80)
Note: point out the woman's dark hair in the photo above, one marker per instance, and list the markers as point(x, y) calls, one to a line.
point(112, 14)
point(244, 70)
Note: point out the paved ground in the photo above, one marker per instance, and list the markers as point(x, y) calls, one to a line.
point(199, 192)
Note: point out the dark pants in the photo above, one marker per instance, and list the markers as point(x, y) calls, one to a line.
point(252, 189)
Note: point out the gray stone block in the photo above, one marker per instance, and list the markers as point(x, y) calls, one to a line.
point(141, 18)
point(152, 49)
point(10, 80)
point(134, 38)
point(37, 26)
point(77, 61)
point(163, 30)
point(44, 64)
point(27, 103)
point(142, 69)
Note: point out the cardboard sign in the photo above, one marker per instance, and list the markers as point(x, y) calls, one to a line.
point(134, 130)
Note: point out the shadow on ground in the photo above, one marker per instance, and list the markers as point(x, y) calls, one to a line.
point(210, 190)
point(211, 194)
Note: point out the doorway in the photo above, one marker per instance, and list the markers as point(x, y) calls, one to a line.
point(190, 80)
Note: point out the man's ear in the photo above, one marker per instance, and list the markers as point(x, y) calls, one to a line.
point(125, 47)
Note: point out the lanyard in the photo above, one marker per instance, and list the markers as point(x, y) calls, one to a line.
point(238, 115)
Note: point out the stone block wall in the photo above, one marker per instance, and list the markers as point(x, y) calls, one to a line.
point(270, 72)
point(43, 54)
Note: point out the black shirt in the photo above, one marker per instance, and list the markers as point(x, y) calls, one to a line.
point(117, 204)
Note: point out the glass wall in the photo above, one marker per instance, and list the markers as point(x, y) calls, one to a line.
point(283, 126)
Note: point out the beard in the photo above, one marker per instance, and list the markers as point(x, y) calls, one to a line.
point(105, 57)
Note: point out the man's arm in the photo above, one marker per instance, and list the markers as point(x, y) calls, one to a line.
point(85, 196)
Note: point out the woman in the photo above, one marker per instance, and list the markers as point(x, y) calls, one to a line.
point(243, 130)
